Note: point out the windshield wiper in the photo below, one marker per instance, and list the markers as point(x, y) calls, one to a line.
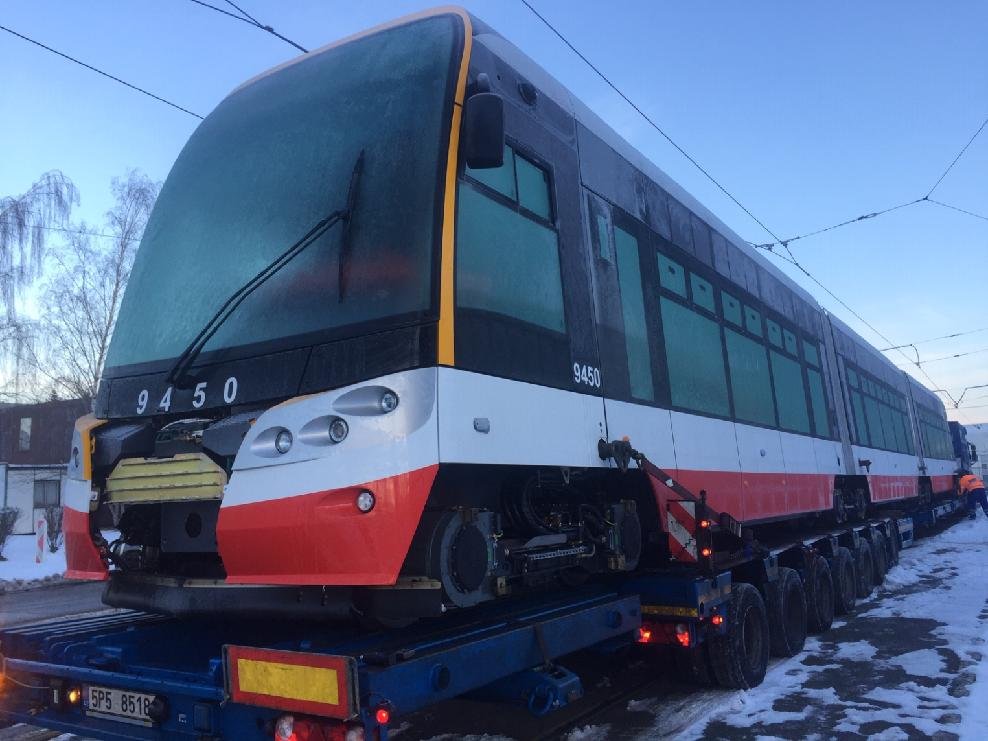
point(178, 375)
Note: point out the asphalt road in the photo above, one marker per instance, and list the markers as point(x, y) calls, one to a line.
point(49, 602)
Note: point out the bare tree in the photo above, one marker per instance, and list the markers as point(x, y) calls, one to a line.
point(26, 221)
point(83, 294)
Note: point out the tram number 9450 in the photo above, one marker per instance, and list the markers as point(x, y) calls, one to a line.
point(230, 388)
point(586, 375)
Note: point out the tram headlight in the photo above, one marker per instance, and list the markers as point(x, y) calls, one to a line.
point(389, 401)
point(365, 501)
point(338, 430)
point(283, 442)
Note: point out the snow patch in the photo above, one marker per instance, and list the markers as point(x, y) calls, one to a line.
point(20, 569)
point(589, 733)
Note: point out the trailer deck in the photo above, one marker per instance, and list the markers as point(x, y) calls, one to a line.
point(132, 675)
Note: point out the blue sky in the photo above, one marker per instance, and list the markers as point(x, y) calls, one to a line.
point(809, 114)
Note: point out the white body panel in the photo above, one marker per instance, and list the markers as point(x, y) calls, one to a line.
point(527, 424)
point(378, 445)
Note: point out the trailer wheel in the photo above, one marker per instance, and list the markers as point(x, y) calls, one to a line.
point(819, 596)
point(879, 549)
point(893, 538)
point(739, 659)
point(845, 576)
point(786, 603)
point(693, 663)
point(865, 561)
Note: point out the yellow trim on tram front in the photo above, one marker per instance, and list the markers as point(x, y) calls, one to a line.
point(447, 273)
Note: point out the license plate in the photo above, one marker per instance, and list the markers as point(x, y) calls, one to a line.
point(120, 704)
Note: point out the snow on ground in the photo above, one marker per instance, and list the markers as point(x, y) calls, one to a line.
point(908, 665)
point(20, 568)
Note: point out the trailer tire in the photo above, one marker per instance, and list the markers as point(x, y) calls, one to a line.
point(879, 549)
point(845, 576)
point(820, 597)
point(865, 561)
point(739, 659)
point(786, 603)
point(893, 538)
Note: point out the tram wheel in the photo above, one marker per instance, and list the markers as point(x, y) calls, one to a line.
point(739, 659)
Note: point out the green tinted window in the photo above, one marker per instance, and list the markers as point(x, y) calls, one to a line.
point(750, 382)
point(633, 310)
point(501, 179)
point(273, 159)
point(818, 400)
point(811, 354)
point(774, 332)
point(533, 188)
point(732, 308)
point(874, 416)
point(695, 359)
point(790, 397)
point(910, 443)
point(703, 293)
point(603, 238)
point(859, 419)
point(852, 377)
point(507, 263)
point(789, 339)
point(752, 321)
point(889, 427)
point(671, 276)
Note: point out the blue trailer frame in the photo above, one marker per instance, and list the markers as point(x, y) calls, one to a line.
point(502, 651)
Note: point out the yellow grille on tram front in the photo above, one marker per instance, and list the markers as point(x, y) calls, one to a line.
point(187, 476)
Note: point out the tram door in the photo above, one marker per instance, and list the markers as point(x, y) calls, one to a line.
point(523, 296)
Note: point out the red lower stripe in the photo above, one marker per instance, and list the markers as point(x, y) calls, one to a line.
point(82, 559)
point(322, 538)
point(759, 496)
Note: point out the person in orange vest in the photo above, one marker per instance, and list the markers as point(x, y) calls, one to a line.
point(975, 489)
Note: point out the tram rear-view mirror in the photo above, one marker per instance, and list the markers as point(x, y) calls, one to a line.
point(483, 131)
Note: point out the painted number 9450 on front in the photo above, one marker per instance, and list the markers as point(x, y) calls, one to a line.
point(586, 375)
point(199, 396)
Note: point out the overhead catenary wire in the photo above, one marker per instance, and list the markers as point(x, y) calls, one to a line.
point(100, 72)
point(860, 318)
point(649, 120)
point(250, 20)
point(957, 208)
point(855, 220)
point(791, 258)
point(934, 339)
point(959, 155)
point(955, 355)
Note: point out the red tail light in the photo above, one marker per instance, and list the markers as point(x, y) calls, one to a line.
point(683, 635)
point(644, 635)
point(382, 716)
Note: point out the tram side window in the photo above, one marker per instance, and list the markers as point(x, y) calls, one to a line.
point(501, 179)
point(790, 398)
point(696, 360)
point(507, 262)
point(633, 312)
point(750, 381)
point(818, 400)
point(860, 424)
